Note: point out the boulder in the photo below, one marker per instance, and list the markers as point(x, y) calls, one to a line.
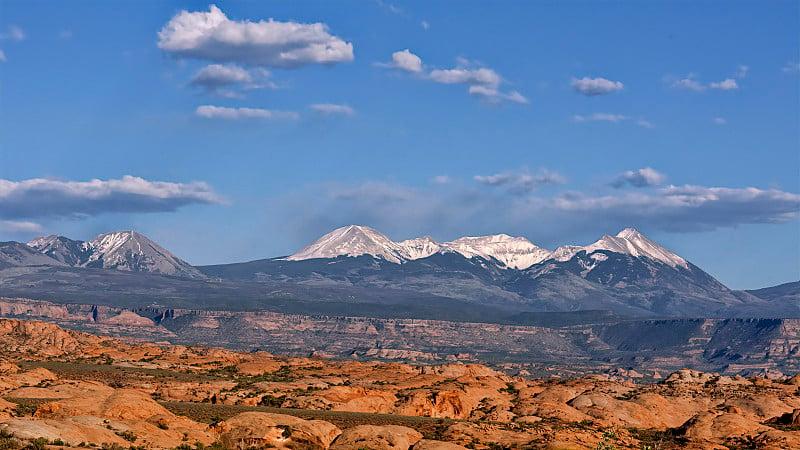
point(374, 437)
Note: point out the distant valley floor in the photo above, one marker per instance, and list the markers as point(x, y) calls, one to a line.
point(585, 343)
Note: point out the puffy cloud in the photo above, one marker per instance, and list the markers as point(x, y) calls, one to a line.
point(40, 197)
point(595, 86)
point(331, 109)
point(13, 226)
point(492, 95)
point(14, 33)
point(221, 79)
point(639, 178)
point(719, 120)
point(482, 83)
point(212, 36)
point(474, 77)
point(230, 80)
point(406, 61)
point(521, 182)
point(425, 25)
point(688, 83)
point(727, 84)
point(741, 71)
point(221, 112)
point(442, 179)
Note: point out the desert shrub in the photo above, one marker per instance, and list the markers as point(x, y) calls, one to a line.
point(127, 435)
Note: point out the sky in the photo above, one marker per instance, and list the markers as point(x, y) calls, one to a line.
point(236, 131)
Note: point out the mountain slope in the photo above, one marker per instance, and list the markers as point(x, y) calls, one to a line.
point(131, 251)
point(14, 254)
point(119, 250)
point(61, 248)
point(626, 273)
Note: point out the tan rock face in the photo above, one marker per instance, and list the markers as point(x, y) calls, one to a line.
point(278, 430)
point(108, 396)
point(386, 437)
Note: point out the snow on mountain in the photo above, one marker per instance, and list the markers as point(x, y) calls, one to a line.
point(60, 248)
point(352, 240)
point(129, 250)
point(419, 248)
point(628, 242)
point(513, 252)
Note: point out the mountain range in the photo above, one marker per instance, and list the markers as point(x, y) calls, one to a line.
point(360, 269)
point(121, 250)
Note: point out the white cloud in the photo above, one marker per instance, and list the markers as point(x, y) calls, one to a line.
point(442, 179)
point(494, 96)
point(644, 123)
point(406, 61)
point(39, 197)
point(727, 84)
point(792, 67)
point(522, 181)
point(231, 80)
point(456, 209)
point(331, 109)
point(212, 36)
point(688, 83)
point(719, 120)
point(482, 82)
point(741, 71)
point(12, 226)
point(481, 76)
point(221, 112)
point(639, 178)
point(14, 33)
point(425, 25)
point(595, 86)
point(2, 56)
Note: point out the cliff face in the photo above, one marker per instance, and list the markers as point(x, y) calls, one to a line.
point(651, 347)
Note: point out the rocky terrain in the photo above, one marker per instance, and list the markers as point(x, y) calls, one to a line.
point(550, 346)
point(60, 387)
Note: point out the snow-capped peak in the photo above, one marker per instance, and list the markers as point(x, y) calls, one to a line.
point(508, 251)
point(129, 250)
point(514, 252)
point(419, 248)
point(354, 240)
point(60, 248)
point(351, 240)
point(629, 242)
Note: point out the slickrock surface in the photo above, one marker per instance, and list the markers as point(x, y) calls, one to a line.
point(74, 388)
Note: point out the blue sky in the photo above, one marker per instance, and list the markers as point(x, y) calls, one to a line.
point(225, 136)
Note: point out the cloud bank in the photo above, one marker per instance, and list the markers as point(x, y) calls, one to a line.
point(39, 197)
point(456, 208)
